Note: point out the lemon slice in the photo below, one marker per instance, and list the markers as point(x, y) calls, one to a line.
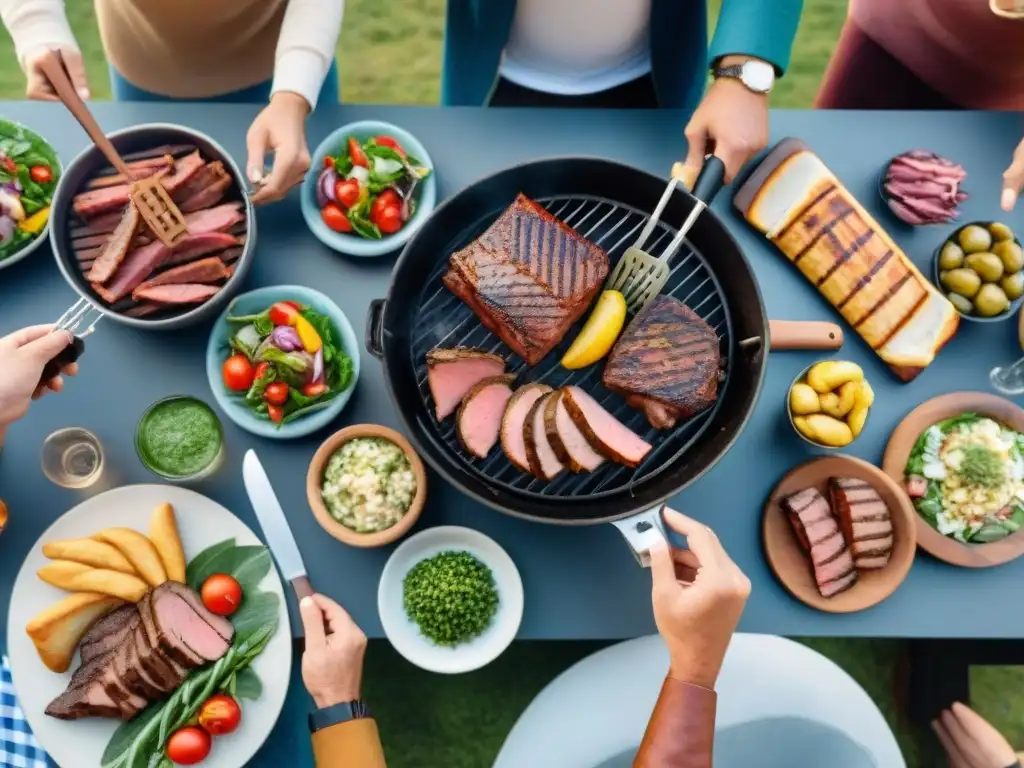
point(599, 332)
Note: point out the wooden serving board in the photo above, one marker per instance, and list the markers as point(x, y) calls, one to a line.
point(894, 463)
point(792, 564)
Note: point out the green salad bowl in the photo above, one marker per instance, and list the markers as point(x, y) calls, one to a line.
point(25, 147)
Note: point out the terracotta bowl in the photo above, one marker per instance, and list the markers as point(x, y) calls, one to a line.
point(315, 476)
point(792, 565)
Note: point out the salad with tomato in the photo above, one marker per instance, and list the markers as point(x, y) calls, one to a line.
point(28, 177)
point(369, 187)
point(286, 362)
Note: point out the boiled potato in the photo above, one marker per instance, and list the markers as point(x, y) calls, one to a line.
point(98, 554)
point(832, 374)
point(856, 419)
point(803, 400)
point(864, 395)
point(56, 630)
point(829, 431)
point(974, 238)
point(163, 531)
point(140, 553)
point(1011, 255)
point(988, 266)
point(75, 577)
point(1013, 285)
point(800, 422)
point(1000, 231)
point(991, 301)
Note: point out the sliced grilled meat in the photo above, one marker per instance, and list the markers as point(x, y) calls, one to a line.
point(208, 270)
point(570, 444)
point(86, 696)
point(528, 277)
point(606, 434)
point(176, 293)
point(451, 373)
point(819, 533)
point(108, 633)
point(541, 457)
point(116, 248)
point(478, 421)
point(666, 363)
point(513, 423)
point(866, 521)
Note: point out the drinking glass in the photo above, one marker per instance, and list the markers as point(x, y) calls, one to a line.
point(1008, 379)
point(72, 457)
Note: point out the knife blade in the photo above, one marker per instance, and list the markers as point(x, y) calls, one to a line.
point(274, 524)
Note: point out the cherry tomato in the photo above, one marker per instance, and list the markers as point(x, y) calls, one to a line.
point(261, 370)
point(221, 594)
point(276, 393)
point(328, 161)
point(347, 192)
point(355, 152)
point(220, 714)
point(390, 220)
point(40, 174)
point(188, 746)
point(314, 390)
point(335, 218)
point(283, 312)
point(388, 141)
point(9, 165)
point(238, 373)
point(385, 199)
point(276, 413)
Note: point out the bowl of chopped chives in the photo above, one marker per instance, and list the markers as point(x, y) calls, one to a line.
point(450, 599)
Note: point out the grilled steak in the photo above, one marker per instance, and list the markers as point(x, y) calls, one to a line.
point(178, 293)
point(479, 418)
point(108, 633)
point(866, 521)
point(208, 270)
point(666, 363)
point(99, 201)
point(529, 277)
point(541, 457)
point(116, 248)
point(140, 168)
point(819, 533)
point(606, 434)
point(451, 373)
point(205, 189)
point(513, 439)
point(568, 442)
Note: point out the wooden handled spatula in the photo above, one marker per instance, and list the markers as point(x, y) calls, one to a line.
point(155, 206)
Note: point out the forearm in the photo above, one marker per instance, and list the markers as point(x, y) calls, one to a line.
point(764, 29)
point(681, 731)
point(34, 24)
point(306, 46)
point(353, 743)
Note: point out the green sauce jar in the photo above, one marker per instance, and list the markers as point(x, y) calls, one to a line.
point(180, 438)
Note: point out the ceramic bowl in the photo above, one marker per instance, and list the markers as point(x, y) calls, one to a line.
point(217, 352)
point(314, 479)
point(405, 635)
point(12, 129)
point(352, 244)
point(802, 379)
point(953, 237)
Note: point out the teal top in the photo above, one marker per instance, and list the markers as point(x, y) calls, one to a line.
point(477, 31)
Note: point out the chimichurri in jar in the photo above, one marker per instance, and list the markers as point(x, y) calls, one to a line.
point(180, 438)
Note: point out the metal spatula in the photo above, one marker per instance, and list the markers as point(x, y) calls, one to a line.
point(639, 276)
point(148, 194)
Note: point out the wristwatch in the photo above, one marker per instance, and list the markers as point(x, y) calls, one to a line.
point(338, 713)
point(758, 76)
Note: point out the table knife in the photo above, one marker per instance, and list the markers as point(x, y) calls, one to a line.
point(274, 524)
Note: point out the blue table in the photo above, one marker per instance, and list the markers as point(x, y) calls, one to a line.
point(580, 582)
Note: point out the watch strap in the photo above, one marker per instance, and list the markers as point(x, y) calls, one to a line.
point(734, 70)
point(325, 717)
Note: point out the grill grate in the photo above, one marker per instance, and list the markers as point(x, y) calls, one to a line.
point(443, 320)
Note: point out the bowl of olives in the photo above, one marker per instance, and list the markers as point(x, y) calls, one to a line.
point(980, 269)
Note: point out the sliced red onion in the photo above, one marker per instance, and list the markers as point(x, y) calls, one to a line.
point(318, 366)
point(285, 338)
point(325, 187)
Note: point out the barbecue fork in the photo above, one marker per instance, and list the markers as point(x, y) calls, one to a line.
point(82, 312)
point(157, 209)
point(639, 276)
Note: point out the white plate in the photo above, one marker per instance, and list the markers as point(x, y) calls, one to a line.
point(201, 523)
point(405, 635)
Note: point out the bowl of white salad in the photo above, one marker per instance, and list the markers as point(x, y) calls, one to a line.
point(366, 485)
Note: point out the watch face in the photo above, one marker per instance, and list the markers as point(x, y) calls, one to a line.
point(758, 75)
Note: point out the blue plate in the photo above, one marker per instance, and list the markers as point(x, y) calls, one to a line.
point(253, 303)
point(352, 244)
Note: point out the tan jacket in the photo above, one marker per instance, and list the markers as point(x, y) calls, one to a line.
point(353, 744)
point(681, 731)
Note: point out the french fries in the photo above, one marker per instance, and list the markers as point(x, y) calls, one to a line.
point(55, 631)
point(139, 551)
point(163, 531)
point(98, 554)
point(76, 577)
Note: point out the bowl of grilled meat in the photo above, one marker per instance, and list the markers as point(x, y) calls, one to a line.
point(108, 254)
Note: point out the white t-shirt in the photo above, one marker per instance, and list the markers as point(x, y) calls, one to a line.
point(574, 47)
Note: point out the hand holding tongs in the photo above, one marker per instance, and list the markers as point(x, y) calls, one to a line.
point(79, 313)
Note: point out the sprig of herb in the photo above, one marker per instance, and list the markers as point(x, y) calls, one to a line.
point(451, 596)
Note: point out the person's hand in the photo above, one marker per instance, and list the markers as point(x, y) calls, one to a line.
point(23, 355)
point(731, 121)
point(699, 594)
point(280, 128)
point(38, 86)
point(969, 740)
point(1013, 179)
point(332, 665)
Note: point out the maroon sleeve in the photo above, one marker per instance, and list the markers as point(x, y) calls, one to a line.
point(681, 731)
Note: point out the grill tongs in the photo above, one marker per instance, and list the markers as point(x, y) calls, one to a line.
point(81, 313)
point(155, 206)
